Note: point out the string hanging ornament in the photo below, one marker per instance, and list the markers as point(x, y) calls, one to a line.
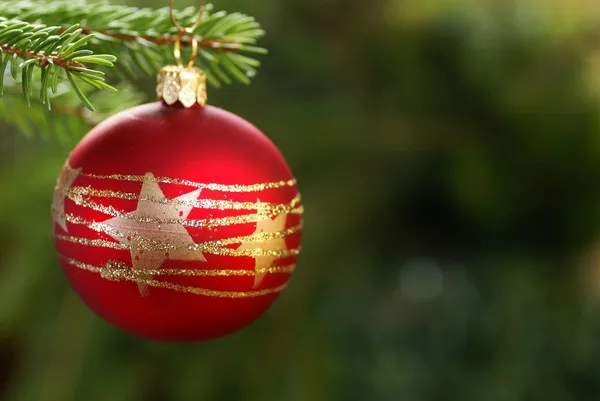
point(177, 221)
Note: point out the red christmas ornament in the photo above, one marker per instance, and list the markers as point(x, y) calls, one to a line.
point(174, 223)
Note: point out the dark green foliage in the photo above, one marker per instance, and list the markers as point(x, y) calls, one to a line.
point(69, 118)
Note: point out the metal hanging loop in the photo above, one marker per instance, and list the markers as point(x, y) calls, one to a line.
point(178, 83)
point(186, 31)
point(198, 20)
point(177, 49)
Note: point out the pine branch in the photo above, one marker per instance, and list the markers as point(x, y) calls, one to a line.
point(27, 45)
point(143, 38)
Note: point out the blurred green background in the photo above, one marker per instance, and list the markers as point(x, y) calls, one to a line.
point(448, 153)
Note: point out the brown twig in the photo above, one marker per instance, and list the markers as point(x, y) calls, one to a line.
point(216, 44)
point(91, 117)
point(44, 59)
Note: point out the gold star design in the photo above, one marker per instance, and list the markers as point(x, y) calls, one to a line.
point(66, 178)
point(142, 236)
point(268, 225)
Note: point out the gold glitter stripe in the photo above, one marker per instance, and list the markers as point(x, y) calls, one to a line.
point(117, 270)
point(208, 223)
point(139, 242)
point(212, 247)
point(75, 194)
point(201, 247)
point(212, 187)
point(219, 273)
point(292, 208)
point(93, 242)
point(259, 237)
point(170, 286)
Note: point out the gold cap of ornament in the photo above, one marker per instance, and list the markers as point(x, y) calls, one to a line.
point(178, 83)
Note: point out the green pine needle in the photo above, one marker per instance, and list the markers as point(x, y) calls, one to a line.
point(142, 38)
point(28, 45)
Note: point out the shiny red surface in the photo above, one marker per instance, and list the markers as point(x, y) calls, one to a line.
point(206, 145)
